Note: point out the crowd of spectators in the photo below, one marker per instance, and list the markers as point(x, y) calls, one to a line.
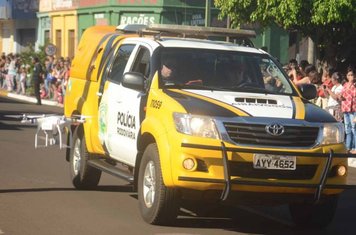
point(336, 93)
point(16, 76)
point(55, 79)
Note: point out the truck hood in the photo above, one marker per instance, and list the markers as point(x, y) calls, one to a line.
point(230, 104)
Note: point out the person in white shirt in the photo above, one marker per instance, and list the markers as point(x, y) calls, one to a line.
point(11, 74)
point(332, 94)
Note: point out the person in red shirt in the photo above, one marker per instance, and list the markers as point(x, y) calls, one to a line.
point(322, 100)
point(348, 107)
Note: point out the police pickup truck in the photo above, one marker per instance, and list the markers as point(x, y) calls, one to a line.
point(184, 117)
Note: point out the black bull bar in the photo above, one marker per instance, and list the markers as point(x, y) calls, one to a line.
point(227, 181)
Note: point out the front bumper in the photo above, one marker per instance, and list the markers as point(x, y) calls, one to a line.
point(229, 182)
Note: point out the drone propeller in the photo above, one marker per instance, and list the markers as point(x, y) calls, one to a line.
point(13, 116)
point(28, 116)
point(81, 116)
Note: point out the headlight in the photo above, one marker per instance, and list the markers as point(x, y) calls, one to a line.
point(333, 133)
point(195, 125)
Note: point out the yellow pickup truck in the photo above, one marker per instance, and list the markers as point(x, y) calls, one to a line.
point(184, 117)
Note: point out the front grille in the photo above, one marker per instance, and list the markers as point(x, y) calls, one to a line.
point(255, 134)
point(245, 169)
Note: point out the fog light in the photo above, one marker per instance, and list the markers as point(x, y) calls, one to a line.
point(340, 170)
point(189, 164)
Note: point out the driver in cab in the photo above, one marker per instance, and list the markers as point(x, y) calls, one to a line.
point(169, 70)
point(170, 75)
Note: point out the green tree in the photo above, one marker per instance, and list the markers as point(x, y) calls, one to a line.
point(26, 60)
point(330, 23)
point(29, 53)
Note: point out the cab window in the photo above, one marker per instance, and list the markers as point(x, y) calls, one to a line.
point(118, 66)
point(142, 62)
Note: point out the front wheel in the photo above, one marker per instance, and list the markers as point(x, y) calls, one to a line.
point(310, 215)
point(83, 176)
point(158, 204)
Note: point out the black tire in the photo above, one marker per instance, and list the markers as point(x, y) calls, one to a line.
point(309, 215)
point(83, 176)
point(158, 204)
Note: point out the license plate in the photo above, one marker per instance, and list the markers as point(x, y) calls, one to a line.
point(274, 162)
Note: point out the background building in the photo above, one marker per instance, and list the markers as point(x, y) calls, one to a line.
point(18, 24)
point(62, 23)
point(58, 24)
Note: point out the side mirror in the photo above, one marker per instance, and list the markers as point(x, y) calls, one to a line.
point(134, 80)
point(308, 91)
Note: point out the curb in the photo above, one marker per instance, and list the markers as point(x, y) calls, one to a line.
point(26, 98)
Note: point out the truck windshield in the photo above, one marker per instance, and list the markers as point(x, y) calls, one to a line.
point(222, 70)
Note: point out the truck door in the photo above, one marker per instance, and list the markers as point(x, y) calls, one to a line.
point(120, 107)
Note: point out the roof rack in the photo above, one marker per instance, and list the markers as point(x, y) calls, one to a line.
point(184, 30)
point(131, 28)
point(197, 31)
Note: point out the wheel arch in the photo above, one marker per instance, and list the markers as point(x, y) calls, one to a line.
point(154, 127)
point(143, 142)
point(72, 128)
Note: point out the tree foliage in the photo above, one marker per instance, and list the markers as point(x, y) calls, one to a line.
point(330, 23)
point(27, 55)
point(26, 59)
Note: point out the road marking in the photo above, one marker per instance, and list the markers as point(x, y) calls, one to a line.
point(260, 213)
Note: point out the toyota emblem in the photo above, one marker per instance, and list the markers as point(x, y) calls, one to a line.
point(275, 129)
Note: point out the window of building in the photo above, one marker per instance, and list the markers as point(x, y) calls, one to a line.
point(47, 37)
point(27, 37)
point(71, 43)
point(58, 43)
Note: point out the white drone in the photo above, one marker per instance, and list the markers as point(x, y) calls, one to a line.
point(51, 127)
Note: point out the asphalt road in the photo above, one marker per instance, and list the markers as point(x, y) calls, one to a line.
point(37, 198)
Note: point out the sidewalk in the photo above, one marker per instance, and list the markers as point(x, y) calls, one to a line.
point(29, 99)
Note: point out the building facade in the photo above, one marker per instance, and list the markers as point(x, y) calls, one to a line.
point(62, 22)
point(18, 24)
point(275, 41)
point(116, 12)
point(58, 25)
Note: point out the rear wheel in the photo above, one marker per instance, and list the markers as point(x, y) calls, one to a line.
point(158, 204)
point(309, 215)
point(83, 176)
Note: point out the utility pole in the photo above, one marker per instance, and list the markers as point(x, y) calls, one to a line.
point(207, 13)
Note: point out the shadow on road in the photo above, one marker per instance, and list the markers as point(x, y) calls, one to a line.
point(108, 188)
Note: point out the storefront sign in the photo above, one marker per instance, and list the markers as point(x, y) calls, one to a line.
point(197, 19)
point(60, 4)
point(137, 19)
point(99, 16)
point(137, 1)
